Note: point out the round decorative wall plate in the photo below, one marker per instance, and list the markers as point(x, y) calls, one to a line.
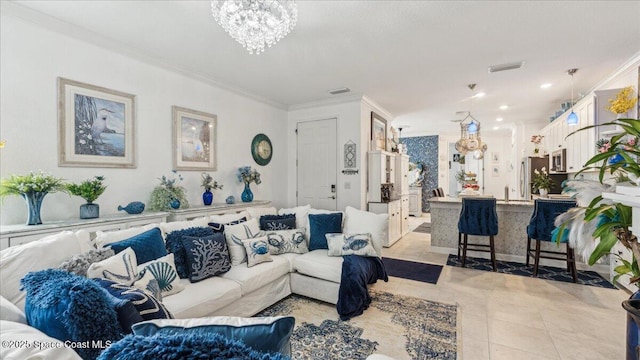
point(261, 149)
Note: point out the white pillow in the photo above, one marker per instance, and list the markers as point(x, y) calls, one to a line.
point(257, 251)
point(48, 252)
point(20, 334)
point(301, 215)
point(227, 218)
point(350, 244)
point(287, 241)
point(104, 238)
point(168, 227)
point(256, 212)
point(164, 270)
point(359, 221)
point(234, 234)
point(122, 268)
point(148, 283)
point(10, 312)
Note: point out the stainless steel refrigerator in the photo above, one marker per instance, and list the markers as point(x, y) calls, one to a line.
point(527, 167)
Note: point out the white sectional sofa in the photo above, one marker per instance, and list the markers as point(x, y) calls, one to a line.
point(242, 291)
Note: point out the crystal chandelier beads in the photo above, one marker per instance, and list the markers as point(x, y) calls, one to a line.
point(470, 140)
point(255, 23)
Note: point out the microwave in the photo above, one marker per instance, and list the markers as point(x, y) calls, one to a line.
point(559, 161)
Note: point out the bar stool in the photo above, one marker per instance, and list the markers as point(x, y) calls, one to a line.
point(477, 217)
point(540, 228)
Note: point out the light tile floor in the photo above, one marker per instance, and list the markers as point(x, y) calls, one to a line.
point(515, 317)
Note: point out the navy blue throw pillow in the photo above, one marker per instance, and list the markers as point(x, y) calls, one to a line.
point(219, 228)
point(320, 225)
point(174, 245)
point(207, 256)
point(146, 304)
point(147, 246)
point(278, 222)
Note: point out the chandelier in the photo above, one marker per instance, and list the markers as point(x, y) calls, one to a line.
point(470, 139)
point(255, 23)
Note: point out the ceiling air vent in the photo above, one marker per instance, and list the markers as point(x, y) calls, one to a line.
point(504, 67)
point(341, 90)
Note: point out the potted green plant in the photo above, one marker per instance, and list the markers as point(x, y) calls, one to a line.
point(169, 194)
point(33, 188)
point(209, 184)
point(90, 190)
point(542, 182)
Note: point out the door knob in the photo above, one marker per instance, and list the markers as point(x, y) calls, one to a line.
point(332, 197)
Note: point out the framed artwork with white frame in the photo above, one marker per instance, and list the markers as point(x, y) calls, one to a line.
point(194, 140)
point(495, 158)
point(96, 126)
point(378, 132)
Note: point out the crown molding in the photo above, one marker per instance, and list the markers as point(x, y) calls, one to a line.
point(379, 109)
point(325, 102)
point(633, 62)
point(10, 8)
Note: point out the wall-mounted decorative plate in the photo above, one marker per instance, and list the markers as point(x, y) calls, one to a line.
point(261, 149)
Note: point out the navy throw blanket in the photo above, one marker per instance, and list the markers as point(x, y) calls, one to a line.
point(357, 273)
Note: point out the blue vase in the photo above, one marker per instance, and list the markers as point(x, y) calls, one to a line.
point(34, 204)
point(207, 197)
point(632, 306)
point(175, 204)
point(247, 195)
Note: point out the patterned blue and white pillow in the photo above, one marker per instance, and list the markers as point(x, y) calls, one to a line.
point(287, 241)
point(234, 235)
point(121, 267)
point(219, 227)
point(164, 271)
point(174, 245)
point(147, 305)
point(278, 222)
point(257, 251)
point(350, 244)
point(147, 282)
point(206, 256)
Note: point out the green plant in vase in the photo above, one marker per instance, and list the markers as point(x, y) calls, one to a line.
point(169, 195)
point(33, 188)
point(542, 182)
point(90, 190)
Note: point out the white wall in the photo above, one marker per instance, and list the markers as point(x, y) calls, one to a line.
point(33, 57)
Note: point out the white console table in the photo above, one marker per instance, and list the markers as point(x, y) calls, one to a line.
point(12, 235)
point(214, 209)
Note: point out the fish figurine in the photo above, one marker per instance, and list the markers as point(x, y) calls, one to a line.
point(134, 207)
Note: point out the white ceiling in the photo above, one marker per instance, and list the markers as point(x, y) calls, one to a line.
point(414, 58)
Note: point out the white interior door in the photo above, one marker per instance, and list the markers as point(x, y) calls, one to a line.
point(317, 164)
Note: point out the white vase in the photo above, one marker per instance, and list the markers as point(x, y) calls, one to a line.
point(544, 192)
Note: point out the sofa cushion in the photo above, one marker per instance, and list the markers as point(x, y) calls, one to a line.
point(234, 235)
point(359, 221)
point(147, 305)
point(176, 247)
point(287, 241)
point(122, 268)
point(253, 278)
point(227, 218)
point(80, 263)
point(301, 213)
point(207, 256)
point(10, 312)
point(104, 238)
point(21, 333)
point(278, 222)
point(148, 245)
point(290, 257)
point(69, 307)
point(164, 270)
point(257, 212)
point(266, 334)
point(350, 244)
point(48, 252)
point(320, 225)
point(168, 227)
point(219, 227)
point(318, 264)
point(203, 298)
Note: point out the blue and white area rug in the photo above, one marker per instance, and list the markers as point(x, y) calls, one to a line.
point(544, 272)
point(429, 328)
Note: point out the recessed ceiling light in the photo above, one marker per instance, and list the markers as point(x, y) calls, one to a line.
point(499, 119)
point(545, 86)
point(504, 107)
point(479, 95)
point(496, 127)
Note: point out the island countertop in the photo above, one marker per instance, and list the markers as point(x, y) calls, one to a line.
point(458, 200)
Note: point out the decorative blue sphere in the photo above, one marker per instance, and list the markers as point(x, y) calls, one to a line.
point(230, 200)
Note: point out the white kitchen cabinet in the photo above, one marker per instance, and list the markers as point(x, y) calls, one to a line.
point(393, 209)
point(402, 174)
point(381, 171)
point(581, 145)
point(415, 201)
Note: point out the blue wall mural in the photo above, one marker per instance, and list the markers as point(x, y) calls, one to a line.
point(424, 149)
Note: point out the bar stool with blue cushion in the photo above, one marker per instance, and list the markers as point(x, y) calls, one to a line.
point(540, 228)
point(477, 217)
